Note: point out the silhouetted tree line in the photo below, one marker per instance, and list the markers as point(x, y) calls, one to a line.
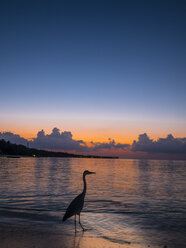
point(7, 148)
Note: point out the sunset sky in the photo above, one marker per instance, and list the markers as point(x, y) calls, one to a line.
point(99, 69)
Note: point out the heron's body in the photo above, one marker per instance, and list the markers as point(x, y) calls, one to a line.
point(77, 204)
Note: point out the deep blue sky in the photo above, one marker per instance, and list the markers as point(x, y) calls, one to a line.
point(110, 60)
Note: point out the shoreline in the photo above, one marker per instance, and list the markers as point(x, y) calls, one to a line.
point(74, 156)
point(13, 150)
point(16, 233)
point(39, 235)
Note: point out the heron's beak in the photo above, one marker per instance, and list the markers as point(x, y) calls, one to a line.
point(92, 172)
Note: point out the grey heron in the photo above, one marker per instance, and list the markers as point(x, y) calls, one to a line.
point(76, 205)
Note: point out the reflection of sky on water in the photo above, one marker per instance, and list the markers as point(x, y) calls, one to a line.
point(133, 200)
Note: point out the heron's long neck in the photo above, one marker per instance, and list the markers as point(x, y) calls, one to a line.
point(85, 185)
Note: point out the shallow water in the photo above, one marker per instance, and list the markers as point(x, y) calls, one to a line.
point(127, 202)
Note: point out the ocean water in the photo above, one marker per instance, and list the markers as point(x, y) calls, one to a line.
point(128, 202)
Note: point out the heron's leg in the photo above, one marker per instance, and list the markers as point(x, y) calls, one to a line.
point(81, 224)
point(75, 222)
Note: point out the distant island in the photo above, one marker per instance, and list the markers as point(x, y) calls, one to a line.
point(13, 150)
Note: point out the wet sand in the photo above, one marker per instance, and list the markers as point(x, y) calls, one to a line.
point(37, 235)
point(29, 237)
point(13, 236)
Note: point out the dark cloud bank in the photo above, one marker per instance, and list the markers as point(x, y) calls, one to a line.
point(64, 141)
point(169, 145)
point(13, 138)
point(60, 141)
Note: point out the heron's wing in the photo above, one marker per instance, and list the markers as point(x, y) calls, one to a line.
point(75, 207)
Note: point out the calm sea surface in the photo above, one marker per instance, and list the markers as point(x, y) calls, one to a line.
point(127, 201)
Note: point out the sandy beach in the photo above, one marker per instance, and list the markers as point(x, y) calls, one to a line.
point(33, 236)
point(39, 235)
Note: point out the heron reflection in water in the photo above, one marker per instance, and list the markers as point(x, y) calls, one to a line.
point(76, 205)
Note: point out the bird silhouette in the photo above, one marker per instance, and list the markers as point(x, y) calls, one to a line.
point(76, 205)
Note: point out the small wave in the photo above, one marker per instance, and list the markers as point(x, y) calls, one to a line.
point(34, 215)
point(118, 241)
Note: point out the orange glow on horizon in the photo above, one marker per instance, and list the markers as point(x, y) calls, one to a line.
point(124, 135)
point(88, 135)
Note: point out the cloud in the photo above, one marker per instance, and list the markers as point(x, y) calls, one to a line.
point(65, 141)
point(13, 138)
point(108, 145)
point(168, 145)
point(62, 141)
point(58, 141)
